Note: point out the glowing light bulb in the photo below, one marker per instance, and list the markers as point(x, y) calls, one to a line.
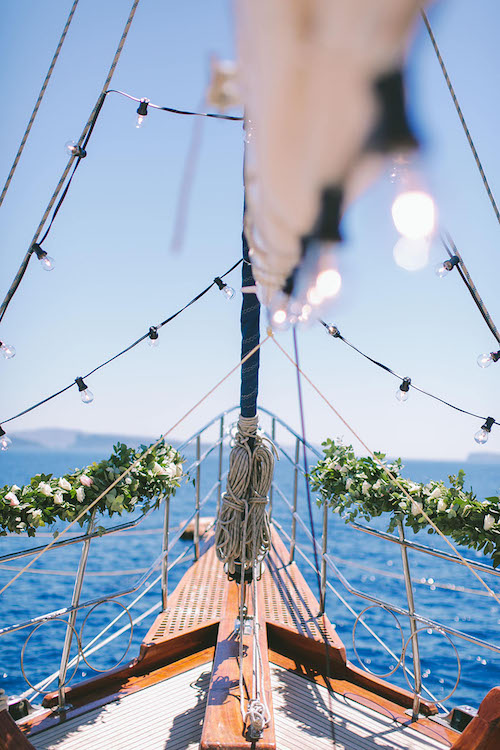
point(86, 395)
point(7, 350)
point(414, 214)
point(483, 434)
point(142, 111)
point(279, 317)
point(485, 360)
point(404, 390)
point(443, 269)
point(5, 440)
point(46, 262)
point(412, 255)
point(153, 339)
point(74, 149)
point(328, 283)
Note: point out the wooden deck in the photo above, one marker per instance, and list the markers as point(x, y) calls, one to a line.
point(159, 700)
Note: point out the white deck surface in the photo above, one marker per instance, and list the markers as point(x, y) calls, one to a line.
point(166, 716)
point(169, 716)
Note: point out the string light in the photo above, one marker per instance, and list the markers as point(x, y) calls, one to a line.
point(142, 111)
point(485, 360)
point(443, 269)
point(153, 338)
point(228, 291)
point(5, 440)
point(414, 214)
point(7, 350)
point(86, 395)
point(74, 149)
point(483, 434)
point(46, 261)
point(404, 390)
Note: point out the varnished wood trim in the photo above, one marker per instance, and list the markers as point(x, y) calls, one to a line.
point(11, 737)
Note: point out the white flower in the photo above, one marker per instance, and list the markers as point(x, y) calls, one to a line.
point(45, 489)
point(348, 483)
point(12, 499)
point(80, 494)
point(489, 521)
point(158, 470)
point(441, 505)
point(21, 526)
point(15, 488)
point(128, 480)
point(377, 485)
point(416, 508)
point(37, 513)
point(64, 484)
point(86, 481)
point(344, 469)
point(365, 487)
point(171, 471)
point(178, 470)
point(412, 486)
point(435, 494)
point(58, 498)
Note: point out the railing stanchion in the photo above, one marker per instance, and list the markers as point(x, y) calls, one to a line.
point(273, 437)
point(221, 457)
point(164, 564)
point(295, 487)
point(196, 535)
point(75, 600)
point(324, 550)
point(413, 624)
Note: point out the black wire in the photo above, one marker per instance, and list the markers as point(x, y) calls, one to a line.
point(123, 351)
point(178, 111)
point(399, 377)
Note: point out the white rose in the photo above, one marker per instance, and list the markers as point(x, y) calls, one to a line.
point(15, 488)
point(377, 485)
point(45, 489)
point(58, 498)
point(80, 494)
point(12, 499)
point(489, 521)
point(441, 505)
point(36, 513)
point(348, 483)
point(158, 470)
point(64, 484)
point(416, 508)
point(128, 480)
point(171, 471)
point(435, 494)
point(365, 488)
point(178, 470)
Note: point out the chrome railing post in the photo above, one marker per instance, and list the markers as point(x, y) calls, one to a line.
point(295, 487)
point(196, 534)
point(413, 624)
point(324, 550)
point(273, 436)
point(75, 600)
point(164, 564)
point(221, 457)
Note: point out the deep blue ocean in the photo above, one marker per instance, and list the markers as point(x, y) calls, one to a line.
point(370, 565)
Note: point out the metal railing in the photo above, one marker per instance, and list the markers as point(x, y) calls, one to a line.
point(289, 450)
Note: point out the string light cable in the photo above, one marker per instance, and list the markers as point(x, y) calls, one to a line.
point(86, 395)
point(38, 102)
point(406, 383)
point(146, 104)
point(74, 155)
point(138, 460)
point(391, 476)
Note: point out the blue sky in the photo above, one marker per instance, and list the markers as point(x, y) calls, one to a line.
point(115, 274)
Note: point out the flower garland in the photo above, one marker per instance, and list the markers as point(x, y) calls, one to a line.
point(47, 499)
point(359, 486)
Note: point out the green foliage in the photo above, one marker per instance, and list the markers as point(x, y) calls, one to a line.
point(360, 488)
point(47, 499)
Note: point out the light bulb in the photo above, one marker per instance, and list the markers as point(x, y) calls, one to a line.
point(86, 395)
point(404, 390)
point(483, 434)
point(153, 338)
point(414, 214)
point(46, 261)
point(412, 255)
point(485, 360)
point(279, 317)
point(228, 291)
point(142, 111)
point(5, 440)
point(443, 269)
point(7, 350)
point(74, 149)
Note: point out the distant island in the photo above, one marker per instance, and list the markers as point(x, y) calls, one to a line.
point(54, 439)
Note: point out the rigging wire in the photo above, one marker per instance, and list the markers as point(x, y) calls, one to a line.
point(135, 463)
point(383, 466)
point(172, 110)
point(86, 130)
point(123, 351)
point(334, 331)
point(38, 102)
point(460, 114)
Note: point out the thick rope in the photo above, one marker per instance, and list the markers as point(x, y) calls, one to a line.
point(90, 122)
point(241, 537)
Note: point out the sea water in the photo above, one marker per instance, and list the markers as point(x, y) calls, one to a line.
point(443, 592)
